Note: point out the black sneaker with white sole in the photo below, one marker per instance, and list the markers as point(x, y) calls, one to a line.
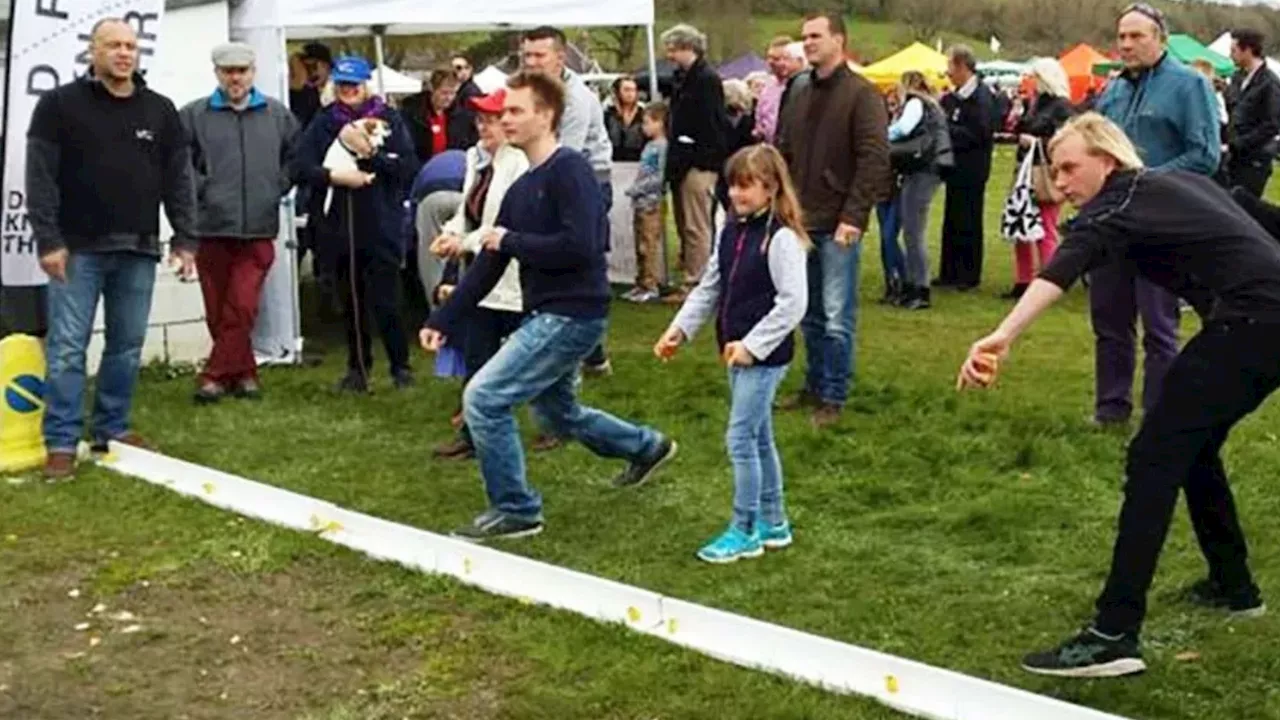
point(639, 473)
point(493, 525)
point(1090, 654)
point(1211, 595)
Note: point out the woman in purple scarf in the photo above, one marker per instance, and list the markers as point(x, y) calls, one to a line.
point(359, 236)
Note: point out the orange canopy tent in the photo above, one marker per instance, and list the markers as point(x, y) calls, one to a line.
point(1079, 62)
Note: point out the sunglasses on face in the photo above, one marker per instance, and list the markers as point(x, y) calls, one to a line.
point(460, 68)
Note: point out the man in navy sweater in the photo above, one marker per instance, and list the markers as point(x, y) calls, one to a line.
point(552, 221)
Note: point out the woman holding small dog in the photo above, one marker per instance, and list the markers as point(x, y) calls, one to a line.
point(359, 230)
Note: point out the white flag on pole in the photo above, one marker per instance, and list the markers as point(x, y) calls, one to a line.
point(48, 47)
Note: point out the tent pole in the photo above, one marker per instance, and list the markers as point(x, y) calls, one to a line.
point(653, 63)
point(379, 52)
point(290, 216)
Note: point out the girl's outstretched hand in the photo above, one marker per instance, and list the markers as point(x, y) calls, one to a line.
point(737, 355)
point(983, 364)
point(666, 347)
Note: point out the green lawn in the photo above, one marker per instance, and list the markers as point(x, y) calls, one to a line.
point(960, 530)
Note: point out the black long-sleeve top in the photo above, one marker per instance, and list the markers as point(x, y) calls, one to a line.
point(1183, 232)
point(100, 166)
point(1255, 114)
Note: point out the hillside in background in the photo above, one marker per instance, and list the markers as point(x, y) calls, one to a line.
point(879, 27)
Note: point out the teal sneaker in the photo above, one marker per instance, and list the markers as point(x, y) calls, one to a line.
point(775, 537)
point(732, 546)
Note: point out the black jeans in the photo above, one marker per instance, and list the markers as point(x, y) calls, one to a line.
point(1252, 175)
point(598, 356)
point(1221, 376)
point(486, 331)
point(962, 235)
point(370, 286)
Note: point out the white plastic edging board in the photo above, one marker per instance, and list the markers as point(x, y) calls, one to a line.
point(906, 685)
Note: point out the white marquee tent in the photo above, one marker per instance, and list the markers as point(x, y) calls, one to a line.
point(490, 79)
point(267, 24)
point(1222, 46)
point(395, 82)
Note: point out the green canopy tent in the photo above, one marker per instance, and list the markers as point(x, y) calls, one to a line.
point(1187, 50)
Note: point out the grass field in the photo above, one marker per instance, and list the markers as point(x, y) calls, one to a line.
point(960, 530)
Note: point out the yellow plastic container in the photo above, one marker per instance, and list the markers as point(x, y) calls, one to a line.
point(22, 377)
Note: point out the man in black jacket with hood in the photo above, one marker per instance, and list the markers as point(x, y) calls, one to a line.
point(698, 146)
point(1255, 114)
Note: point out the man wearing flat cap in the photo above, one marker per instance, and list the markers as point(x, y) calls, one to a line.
point(241, 147)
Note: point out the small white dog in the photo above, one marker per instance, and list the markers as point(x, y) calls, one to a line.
point(340, 157)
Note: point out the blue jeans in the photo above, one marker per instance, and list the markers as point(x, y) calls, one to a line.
point(830, 325)
point(539, 362)
point(891, 255)
point(124, 281)
point(757, 470)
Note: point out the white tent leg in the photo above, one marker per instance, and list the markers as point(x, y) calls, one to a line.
point(290, 221)
point(654, 95)
point(379, 53)
point(653, 63)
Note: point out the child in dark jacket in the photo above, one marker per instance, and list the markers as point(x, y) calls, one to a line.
point(360, 234)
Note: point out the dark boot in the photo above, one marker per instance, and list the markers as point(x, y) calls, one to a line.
point(893, 290)
point(920, 299)
point(1016, 292)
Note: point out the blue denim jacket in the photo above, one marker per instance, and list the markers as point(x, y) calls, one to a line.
point(1170, 114)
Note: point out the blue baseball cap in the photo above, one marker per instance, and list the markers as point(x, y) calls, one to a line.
point(352, 70)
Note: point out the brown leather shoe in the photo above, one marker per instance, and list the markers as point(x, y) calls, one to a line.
point(802, 400)
point(546, 443)
point(60, 465)
point(132, 439)
point(675, 298)
point(826, 416)
point(457, 449)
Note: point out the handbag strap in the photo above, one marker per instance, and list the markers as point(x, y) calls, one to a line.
point(1024, 170)
point(1041, 151)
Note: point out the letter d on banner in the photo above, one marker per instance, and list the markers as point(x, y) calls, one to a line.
point(49, 47)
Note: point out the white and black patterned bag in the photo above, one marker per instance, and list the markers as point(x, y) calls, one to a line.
point(1021, 221)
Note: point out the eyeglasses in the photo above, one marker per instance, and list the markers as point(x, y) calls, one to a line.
point(1148, 11)
point(461, 68)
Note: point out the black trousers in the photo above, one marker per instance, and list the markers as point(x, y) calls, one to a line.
point(486, 331)
point(1221, 376)
point(598, 355)
point(1252, 175)
point(369, 286)
point(962, 235)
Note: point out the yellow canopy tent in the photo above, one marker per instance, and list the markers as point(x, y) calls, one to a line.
point(887, 72)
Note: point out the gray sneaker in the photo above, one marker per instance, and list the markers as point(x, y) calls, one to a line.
point(493, 525)
point(639, 473)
